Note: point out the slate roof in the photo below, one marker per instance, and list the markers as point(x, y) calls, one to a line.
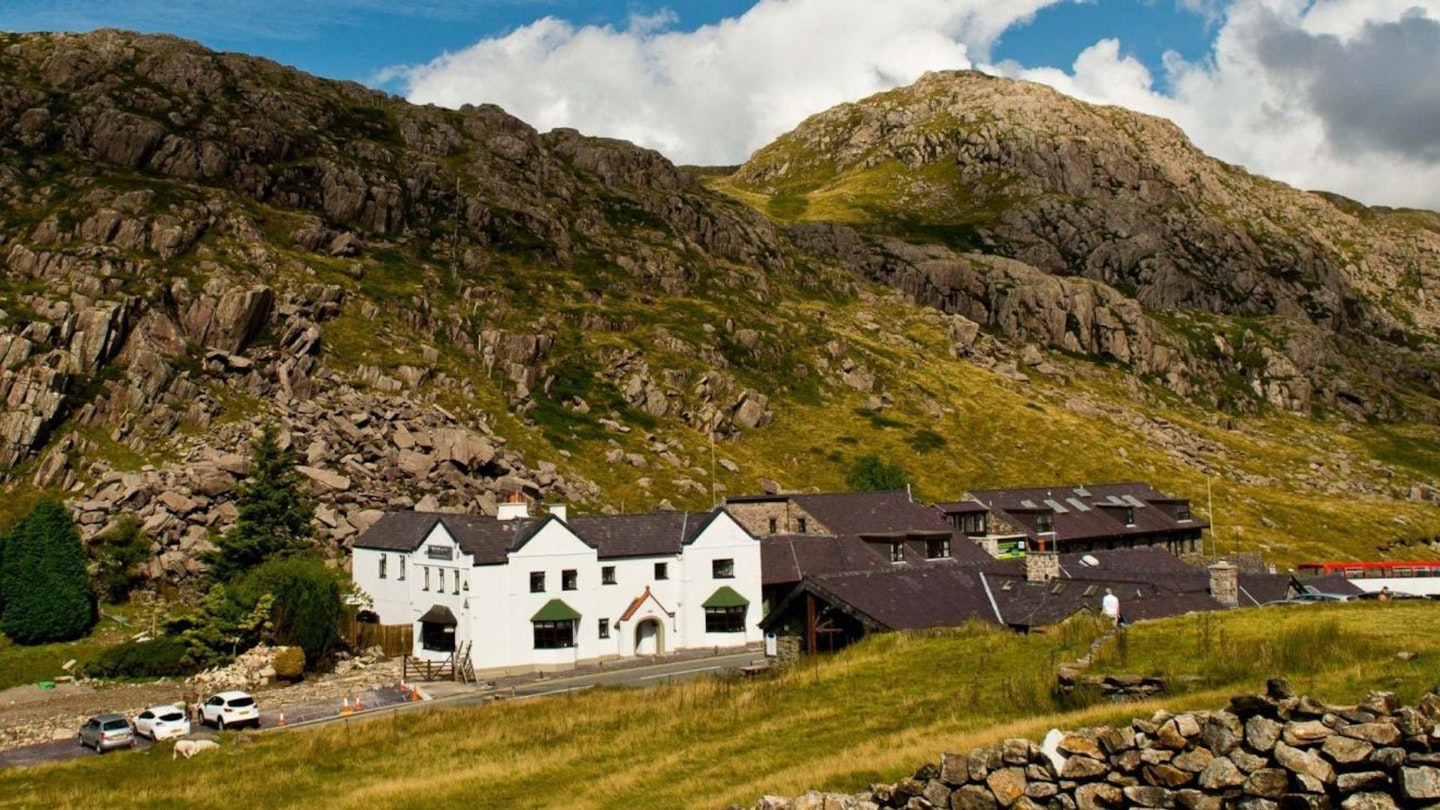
point(489, 540)
point(903, 597)
point(1087, 512)
point(486, 539)
point(792, 557)
point(655, 534)
point(871, 513)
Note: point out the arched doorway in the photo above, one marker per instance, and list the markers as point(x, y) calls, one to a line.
point(649, 638)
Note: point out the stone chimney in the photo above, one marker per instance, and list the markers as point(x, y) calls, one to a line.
point(1224, 584)
point(514, 508)
point(1041, 566)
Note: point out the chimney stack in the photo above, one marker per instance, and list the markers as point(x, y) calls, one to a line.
point(559, 511)
point(1041, 566)
point(514, 508)
point(1225, 584)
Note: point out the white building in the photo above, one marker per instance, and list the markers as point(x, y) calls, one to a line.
point(521, 593)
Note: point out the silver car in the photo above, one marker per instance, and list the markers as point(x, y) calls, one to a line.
point(106, 732)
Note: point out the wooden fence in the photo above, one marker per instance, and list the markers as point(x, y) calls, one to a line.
point(394, 639)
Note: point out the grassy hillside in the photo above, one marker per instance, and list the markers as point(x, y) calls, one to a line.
point(874, 712)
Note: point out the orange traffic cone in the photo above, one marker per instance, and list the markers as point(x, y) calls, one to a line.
point(345, 707)
point(281, 721)
point(414, 694)
point(359, 707)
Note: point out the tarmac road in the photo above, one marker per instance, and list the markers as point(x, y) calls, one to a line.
point(636, 675)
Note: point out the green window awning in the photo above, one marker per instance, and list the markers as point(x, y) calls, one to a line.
point(726, 597)
point(556, 611)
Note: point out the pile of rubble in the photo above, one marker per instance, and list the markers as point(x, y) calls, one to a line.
point(1265, 752)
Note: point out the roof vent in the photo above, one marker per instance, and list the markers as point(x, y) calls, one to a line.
point(1089, 561)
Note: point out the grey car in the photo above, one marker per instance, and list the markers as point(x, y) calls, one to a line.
point(106, 732)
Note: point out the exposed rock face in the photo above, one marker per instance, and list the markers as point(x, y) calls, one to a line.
point(1258, 771)
point(1070, 189)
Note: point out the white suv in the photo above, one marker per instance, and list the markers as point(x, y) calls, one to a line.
point(229, 710)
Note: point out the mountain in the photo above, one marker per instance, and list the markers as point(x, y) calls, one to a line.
point(1329, 304)
point(441, 306)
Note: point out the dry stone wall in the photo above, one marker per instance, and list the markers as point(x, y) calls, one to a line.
point(1274, 751)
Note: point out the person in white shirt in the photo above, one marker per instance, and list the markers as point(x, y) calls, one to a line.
point(1110, 606)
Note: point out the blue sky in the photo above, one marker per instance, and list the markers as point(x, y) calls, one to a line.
point(1342, 95)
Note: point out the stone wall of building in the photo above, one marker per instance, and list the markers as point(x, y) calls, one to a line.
point(1274, 751)
point(756, 517)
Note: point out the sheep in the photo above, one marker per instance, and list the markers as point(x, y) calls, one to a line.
point(190, 748)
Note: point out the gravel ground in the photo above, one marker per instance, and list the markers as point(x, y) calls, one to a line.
point(30, 715)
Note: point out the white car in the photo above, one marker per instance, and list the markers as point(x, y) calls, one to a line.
point(229, 710)
point(162, 723)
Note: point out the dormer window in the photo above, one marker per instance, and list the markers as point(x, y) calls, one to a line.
point(1045, 522)
point(897, 552)
point(1129, 516)
point(1182, 512)
point(937, 548)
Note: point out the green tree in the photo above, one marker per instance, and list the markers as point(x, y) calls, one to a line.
point(221, 626)
point(275, 512)
point(309, 602)
point(117, 557)
point(871, 474)
point(47, 590)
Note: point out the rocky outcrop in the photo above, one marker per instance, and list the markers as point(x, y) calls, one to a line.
point(1262, 753)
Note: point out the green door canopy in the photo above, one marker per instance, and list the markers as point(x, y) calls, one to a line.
point(556, 611)
point(726, 597)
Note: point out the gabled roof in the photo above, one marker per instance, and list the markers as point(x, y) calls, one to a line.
point(858, 513)
point(899, 598)
point(652, 535)
point(792, 557)
point(639, 602)
point(485, 539)
point(1088, 511)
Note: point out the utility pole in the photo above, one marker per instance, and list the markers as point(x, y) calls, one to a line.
point(1210, 499)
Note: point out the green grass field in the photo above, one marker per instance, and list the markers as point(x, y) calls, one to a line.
point(872, 713)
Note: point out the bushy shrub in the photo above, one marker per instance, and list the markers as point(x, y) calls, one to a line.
point(118, 556)
point(155, 658)
point(290, 663)
point(309, 602)
point(871, 474)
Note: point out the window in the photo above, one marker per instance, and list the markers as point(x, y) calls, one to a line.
point(662, 570)
point(897, 552)
point(383, 561)
point(1045, 522)
point(722, 569)
point(554, 635)
point(607, 575)
point(604, 628)
point(569, 579)
point(937, 548)
point(1129, 516)
point(401, 565)
point(725, 619)
point(973, 523)
point(457, 583)
point(774, 525)
point(802, 525)
point(1182, 512)
point(427, 578)
point(537, 581)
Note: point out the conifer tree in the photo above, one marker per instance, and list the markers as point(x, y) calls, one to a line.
point(275, 512)
point(47, 590)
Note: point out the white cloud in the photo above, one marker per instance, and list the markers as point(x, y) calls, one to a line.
point(1340, 95)
point(714, 94)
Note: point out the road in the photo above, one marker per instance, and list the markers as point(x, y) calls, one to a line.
point(446, 694)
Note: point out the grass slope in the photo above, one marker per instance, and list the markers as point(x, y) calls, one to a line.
point(873, 712)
